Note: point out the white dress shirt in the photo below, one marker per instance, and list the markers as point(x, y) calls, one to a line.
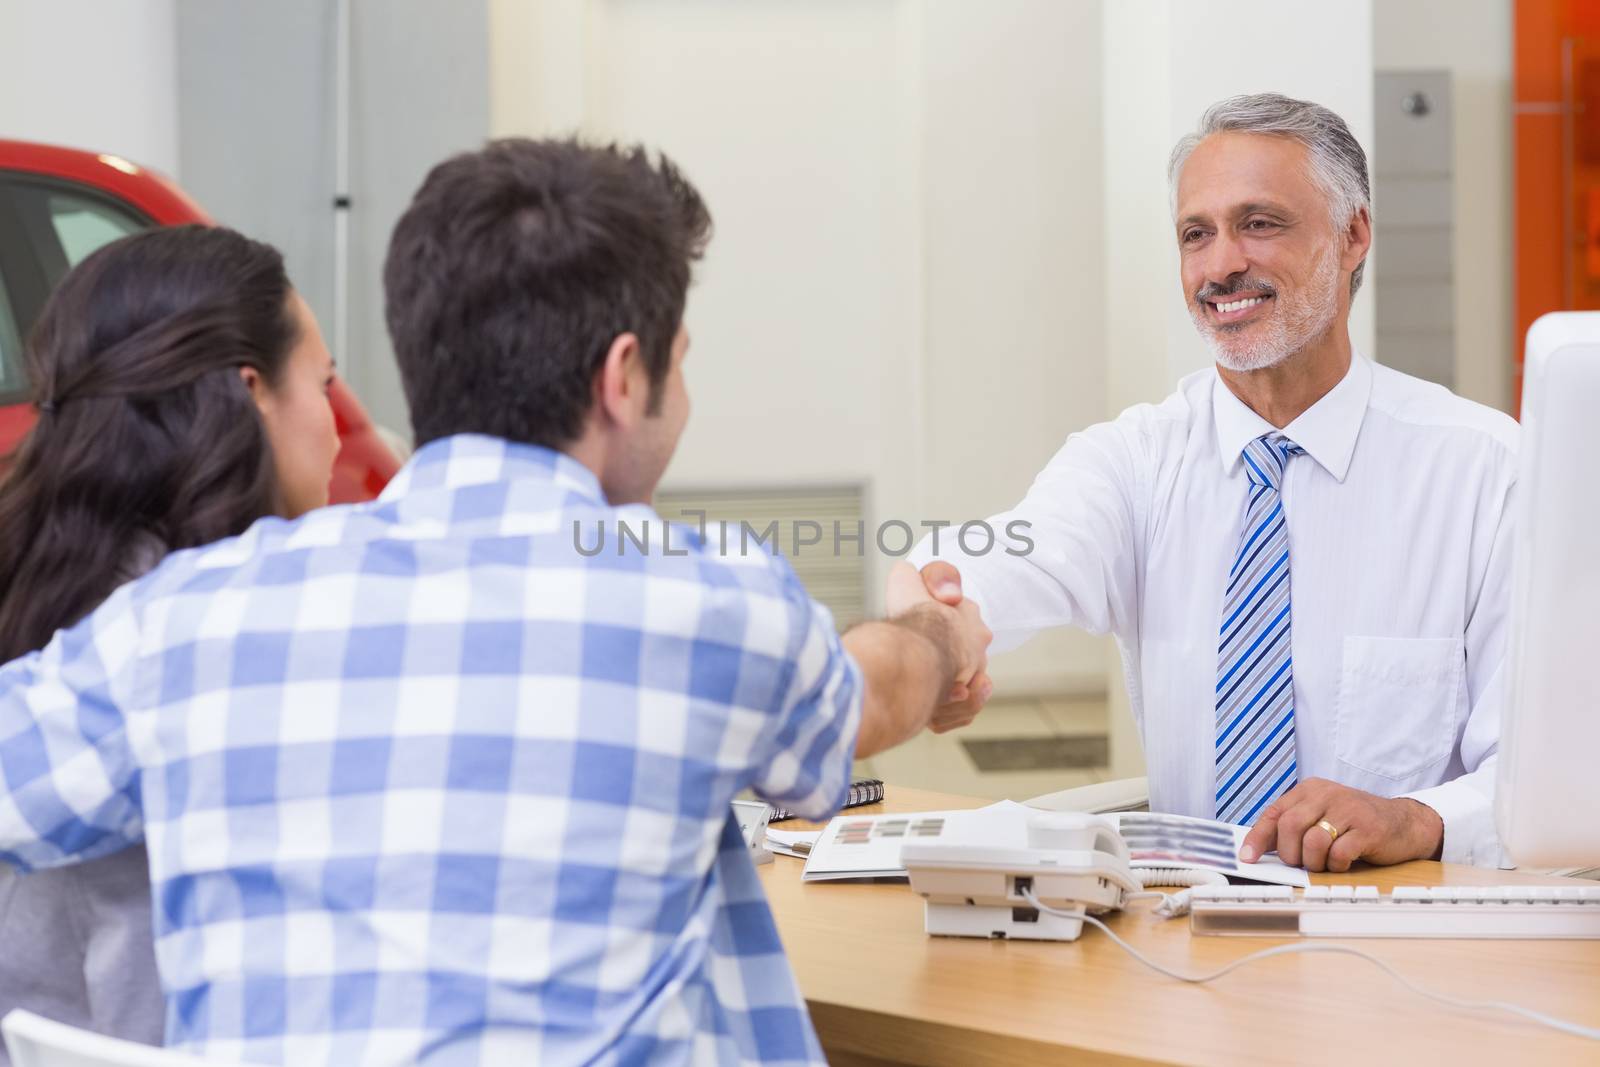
point(1399, 525)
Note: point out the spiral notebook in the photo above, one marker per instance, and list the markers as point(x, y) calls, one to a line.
point(862, 791)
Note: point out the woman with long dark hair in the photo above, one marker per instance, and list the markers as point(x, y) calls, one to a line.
point(182, 393)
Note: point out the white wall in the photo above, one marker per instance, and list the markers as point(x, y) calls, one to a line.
point(1141, 260)
point(1014, 322)
point(1472, 40)
point(905, 284)
point(90, 74)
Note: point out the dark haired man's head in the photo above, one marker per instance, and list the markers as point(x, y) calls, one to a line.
point(535, 292)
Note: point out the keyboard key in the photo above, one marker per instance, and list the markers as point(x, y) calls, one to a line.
point(1411, 894)
point(1366, 892)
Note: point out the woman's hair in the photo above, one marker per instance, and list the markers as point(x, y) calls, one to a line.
point(148, 439)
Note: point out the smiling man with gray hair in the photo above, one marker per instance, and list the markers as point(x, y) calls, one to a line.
point(1303, 555)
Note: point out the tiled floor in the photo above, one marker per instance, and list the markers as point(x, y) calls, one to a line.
point(940, 762)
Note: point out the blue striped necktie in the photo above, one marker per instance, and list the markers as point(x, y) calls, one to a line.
point(1255, 679)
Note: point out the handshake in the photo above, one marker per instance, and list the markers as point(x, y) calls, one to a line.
point(925, 667)
point(933, 603)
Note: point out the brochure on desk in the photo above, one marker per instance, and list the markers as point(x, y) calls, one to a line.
point(867, 847)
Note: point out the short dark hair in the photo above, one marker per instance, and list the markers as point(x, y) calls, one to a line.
point(517, 266)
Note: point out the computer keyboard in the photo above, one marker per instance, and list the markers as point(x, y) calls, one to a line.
point(1502, 911)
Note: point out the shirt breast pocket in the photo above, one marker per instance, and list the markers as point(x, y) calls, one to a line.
point(1397, 703)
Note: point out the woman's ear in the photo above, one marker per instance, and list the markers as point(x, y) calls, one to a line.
point(258, 388)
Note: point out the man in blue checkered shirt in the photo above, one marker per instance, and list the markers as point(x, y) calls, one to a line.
point(433, 780)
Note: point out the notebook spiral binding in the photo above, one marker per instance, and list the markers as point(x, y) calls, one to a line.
point(862, 791)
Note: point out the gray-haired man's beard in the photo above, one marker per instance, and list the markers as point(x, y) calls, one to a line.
point(1294, 321)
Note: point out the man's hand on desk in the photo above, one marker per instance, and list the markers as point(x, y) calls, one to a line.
point(1369, 827)
point(943, 582)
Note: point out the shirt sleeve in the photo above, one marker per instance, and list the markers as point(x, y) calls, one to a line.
point(68, 788)
point(1067, 555)
point(811, 748)
point(1466, 804)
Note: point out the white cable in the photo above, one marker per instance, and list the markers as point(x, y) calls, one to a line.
point(1176, 905)
point(1178, 876)
point(1343, 950)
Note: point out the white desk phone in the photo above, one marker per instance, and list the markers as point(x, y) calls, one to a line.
point(976, 875)
point(1016, 872)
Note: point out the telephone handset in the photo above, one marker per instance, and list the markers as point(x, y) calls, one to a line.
point(1064, 830)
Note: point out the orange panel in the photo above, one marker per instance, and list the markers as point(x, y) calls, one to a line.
point(1582, 18)
point(1547, 196)
point(1536, 56)
point(1537, 180)
point(1591, 252)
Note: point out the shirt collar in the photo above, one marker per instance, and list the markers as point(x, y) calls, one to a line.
point(1327, 430)
point(476, 459)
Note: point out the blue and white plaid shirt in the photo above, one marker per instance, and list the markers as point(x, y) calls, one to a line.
point(423, 782)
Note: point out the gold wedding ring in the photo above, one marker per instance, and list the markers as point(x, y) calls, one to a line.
point(1333, 834)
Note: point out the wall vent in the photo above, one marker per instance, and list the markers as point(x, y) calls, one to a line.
point(834, 573)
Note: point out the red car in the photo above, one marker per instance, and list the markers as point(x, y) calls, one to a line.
point(57, 205)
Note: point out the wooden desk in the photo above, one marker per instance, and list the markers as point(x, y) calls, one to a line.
point(882, 991)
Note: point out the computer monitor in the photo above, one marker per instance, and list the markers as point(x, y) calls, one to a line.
point(1547, 803)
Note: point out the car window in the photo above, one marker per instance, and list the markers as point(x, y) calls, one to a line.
point(83, 225)
point(12, 379)
point(47, 226)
